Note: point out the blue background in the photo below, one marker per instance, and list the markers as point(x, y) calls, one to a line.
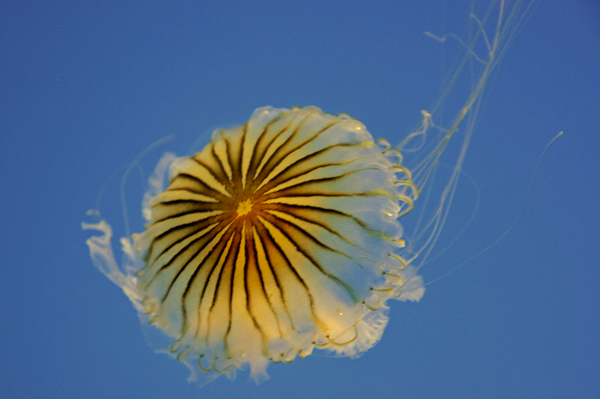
point(86, 86)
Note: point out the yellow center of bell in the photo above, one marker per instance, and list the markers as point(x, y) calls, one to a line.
point(244, 208)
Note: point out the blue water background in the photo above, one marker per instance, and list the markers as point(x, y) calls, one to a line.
point(86, 86)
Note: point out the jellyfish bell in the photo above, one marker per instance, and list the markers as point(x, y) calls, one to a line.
point(283, 235)
point(280, 236)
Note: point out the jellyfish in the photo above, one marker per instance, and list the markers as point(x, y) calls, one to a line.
point(283, 235)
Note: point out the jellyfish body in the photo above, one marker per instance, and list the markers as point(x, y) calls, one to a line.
point(280, 236)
